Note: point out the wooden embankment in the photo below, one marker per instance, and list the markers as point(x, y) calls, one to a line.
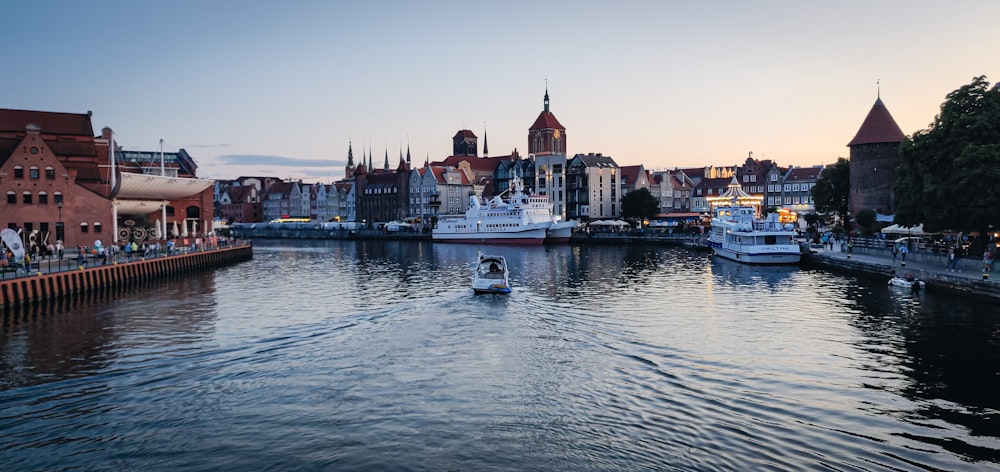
point(23, 292)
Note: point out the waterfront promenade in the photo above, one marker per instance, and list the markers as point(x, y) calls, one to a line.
point(59, 278)
point(969, 277)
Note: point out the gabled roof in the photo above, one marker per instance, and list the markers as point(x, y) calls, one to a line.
point(630, 174)
point(804, 173)
point(546, 120)
point(878, 127)
point(75, 124)
point(595, 160)
point(464, 133)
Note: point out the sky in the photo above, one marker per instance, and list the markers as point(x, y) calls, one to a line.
point(269, 88)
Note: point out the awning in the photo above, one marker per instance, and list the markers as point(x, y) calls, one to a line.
point(138, 207)
point(134, 186)
point(897, 229)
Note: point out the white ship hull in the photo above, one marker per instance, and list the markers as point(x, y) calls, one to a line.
point(560, 232)
point(760, 254)
point(527, 235)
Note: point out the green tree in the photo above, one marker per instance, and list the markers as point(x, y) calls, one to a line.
point(639, 204)
point(865, 219)
point(950, 175)
point(833, 188)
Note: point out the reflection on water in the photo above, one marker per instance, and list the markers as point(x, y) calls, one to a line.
point(377, 356)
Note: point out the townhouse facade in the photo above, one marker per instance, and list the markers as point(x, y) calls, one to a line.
point(593, 187)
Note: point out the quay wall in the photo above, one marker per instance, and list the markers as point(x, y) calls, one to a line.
point(935, 280)
point(263, 231)
point(22, 292)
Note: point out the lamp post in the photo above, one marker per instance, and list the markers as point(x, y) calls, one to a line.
point(59, 225)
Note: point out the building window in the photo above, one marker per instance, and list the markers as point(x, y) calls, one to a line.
point(57, 197)
point(43, 198)
point(97, 227)
point(33, 173)
point(11, 198)
point(50, 173)
point(774, 177)
point(18, 172)
point(84, 227)
point(27, 198)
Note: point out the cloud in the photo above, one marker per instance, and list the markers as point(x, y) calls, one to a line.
point(281, 161)
point(206, 145)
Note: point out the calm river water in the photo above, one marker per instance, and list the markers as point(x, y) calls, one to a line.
point(343, 355)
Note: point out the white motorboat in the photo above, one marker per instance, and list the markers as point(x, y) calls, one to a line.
point(491, 275)
point(907, 282)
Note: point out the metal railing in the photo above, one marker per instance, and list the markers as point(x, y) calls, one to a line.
point(76, 261)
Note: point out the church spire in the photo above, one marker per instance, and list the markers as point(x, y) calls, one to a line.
point(407, 153)
point(350, 155)
point(386, 165)
point(486, 145)
point(546, 101)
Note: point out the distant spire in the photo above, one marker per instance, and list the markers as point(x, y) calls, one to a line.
point(546, 95)
point(878, 90)
point(386, 165)
point(407, 152)
point(350, 155)
point(486, 145)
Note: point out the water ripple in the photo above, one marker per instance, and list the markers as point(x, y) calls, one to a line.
point(376, 356)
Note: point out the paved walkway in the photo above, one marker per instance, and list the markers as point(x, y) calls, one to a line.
point(967, 268)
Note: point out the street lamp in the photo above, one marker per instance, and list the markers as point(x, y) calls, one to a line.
point(59, 225)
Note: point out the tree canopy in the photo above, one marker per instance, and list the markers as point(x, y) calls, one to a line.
point(950, 175)
point(640, 203)
point(833, 188)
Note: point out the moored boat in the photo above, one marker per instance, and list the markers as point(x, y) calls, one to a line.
point(560, 231)
point(907, 282)
point(738, 234)
point(522, 219)
point(491, 276)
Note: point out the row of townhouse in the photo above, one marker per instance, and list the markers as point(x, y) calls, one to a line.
point(586, 187)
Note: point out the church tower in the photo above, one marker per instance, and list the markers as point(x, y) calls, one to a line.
point(873, 160)
point(547, 148)
point(546, 136)
point(465, 143)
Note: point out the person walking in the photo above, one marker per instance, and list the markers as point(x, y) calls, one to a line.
point(951, 259)
point(987, 260)
point(903, 250)
point(895, 250)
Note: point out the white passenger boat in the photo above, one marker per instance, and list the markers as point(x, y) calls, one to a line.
point(738, 234)
point(491, 276)
point(522, 219)
point(560, 231)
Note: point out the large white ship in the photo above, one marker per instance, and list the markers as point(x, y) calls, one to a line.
point(738, 234)
point(522, 219)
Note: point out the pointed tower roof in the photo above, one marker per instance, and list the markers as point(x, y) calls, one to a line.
point(386, 165)
point(486, 146)
point(407, 154)
point(350, 155)
point(878, 127)
point(546, 120)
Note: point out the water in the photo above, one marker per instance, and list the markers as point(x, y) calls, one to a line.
point(341, 355)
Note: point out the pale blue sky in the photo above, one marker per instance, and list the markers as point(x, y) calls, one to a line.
point(665, 84)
